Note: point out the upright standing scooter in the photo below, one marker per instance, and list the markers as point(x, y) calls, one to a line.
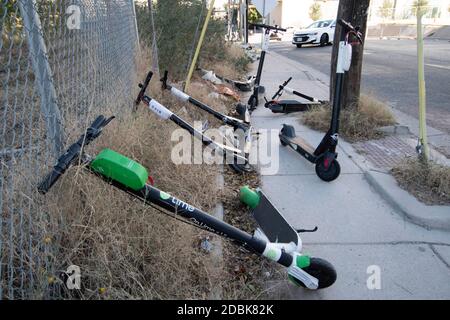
point(288, 105)
point(324, 156)
point(253, 101)
point(131, 177)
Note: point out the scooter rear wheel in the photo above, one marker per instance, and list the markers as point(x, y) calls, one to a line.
point(328, 173)
point(322, 270)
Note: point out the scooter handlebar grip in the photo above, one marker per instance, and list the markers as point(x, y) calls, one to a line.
point(49, 181)
point(144, 87)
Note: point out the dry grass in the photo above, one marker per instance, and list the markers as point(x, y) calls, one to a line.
point(429, 182)
point(125, 250)
point(130, 249)
point(356, 123)
point(233, 64)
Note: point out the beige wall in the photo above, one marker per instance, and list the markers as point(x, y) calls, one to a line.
point(276, 16)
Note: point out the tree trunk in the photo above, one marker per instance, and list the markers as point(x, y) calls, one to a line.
point(355, 12)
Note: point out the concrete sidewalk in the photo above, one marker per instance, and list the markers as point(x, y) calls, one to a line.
point(358, 228)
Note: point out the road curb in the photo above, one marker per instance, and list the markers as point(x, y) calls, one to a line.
point(430, 217)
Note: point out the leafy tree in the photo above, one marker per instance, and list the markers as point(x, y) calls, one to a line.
point(420, 6)
point(315, 11)
point(176, 23)
point(254, 16)
point(385, 11)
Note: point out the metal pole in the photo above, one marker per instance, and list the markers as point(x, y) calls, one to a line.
point(423, 143)
point(199, 46)
point(246, 22)
point(43, 73)
point(136, 25)
point(155, 58)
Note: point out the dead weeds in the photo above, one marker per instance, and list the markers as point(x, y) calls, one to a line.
point(357, 122)
point(428, 181)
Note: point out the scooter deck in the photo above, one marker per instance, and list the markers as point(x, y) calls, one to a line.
point(272, 222)
point(299, 142)
point(288, 106)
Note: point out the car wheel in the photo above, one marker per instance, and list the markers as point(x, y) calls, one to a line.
point(324, 39)
point(299, 45)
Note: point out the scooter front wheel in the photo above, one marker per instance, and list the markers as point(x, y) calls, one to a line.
point(320, 269)
point(328, 171)
point(252, 103)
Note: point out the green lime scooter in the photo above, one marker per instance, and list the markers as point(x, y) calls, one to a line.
point(132, 178)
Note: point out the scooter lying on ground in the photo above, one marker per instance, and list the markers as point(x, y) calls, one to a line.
point(253, 101)
point(242, 129)
point(324, 156)
point(233, 156)
point(131, 177)
point(244, 86)
point(288, 106)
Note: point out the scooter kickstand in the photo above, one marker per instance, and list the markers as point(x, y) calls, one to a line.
point(307, 230)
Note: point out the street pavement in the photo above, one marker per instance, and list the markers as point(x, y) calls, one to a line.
point(390, 73)
point(358, 230)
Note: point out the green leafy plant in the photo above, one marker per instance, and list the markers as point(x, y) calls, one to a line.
point(385, 11)
point(254, 16)
point(315, 11)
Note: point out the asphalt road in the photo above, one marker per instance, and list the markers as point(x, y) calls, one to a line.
point(390, 73)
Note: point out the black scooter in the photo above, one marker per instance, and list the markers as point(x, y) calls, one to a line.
point(132, 178)
point(234, 157)
point(244, 86)
point(288, 106)
point(324, 156)
point(242, 129)
point(253, 101)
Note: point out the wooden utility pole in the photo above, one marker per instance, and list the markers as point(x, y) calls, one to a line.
point(355, 12)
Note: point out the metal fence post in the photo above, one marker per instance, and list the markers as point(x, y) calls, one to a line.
point(43, 73)
point(133, 7)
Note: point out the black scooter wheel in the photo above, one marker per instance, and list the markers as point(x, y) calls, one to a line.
point(240, 168)
point(284, 144)
point(322, 270)
point(252, 103)
point(328, 174)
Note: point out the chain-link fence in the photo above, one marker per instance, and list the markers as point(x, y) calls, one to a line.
point(62, 62)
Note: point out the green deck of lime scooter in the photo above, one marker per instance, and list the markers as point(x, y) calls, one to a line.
point(117, 167)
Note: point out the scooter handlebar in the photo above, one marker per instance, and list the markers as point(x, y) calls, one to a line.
point(144, 87)
point(281, 88)
point(349, 27)
point(268, 27)
point(73, 153)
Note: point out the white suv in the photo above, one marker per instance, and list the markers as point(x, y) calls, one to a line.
point(320, 32)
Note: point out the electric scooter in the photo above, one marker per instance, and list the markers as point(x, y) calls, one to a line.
point(244, 86)
point(324, 156)
point(253, 101)
point(288, 106)
point(132, 178)
point(239, 162)
point(240, 127)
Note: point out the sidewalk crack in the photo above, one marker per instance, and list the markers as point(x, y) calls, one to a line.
point(439, 256)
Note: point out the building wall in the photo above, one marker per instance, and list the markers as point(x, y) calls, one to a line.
point(437, 12)
point(276, 16)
